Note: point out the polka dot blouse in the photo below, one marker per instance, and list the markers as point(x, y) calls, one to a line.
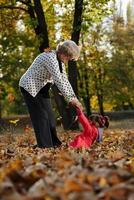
point(44, 69)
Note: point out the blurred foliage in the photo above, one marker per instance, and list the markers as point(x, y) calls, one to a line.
point(16, 54)
point(105, 67)
point(120, 71)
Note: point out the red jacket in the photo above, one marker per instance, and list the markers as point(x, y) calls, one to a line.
point(89, 134)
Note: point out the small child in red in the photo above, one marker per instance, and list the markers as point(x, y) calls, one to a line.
point(93, 130)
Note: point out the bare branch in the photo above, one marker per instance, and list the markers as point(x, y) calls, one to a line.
point(12, 7)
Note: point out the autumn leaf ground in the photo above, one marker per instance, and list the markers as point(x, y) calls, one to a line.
point(103, 172)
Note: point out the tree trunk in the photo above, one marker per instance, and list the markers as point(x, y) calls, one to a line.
point(0, 109)
point(99, 91)
point(77, 21)
point(85, 94)
point(36, 13)
point(87, 102)
point(72, 67)
point(100, 102)
point(42, 26)
point(62, 108)
point(87, 98)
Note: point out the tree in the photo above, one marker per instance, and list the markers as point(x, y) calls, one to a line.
point(121, 75)
point(93, 58)
point(15, 46)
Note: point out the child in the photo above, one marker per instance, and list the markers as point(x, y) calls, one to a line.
point(93, 130)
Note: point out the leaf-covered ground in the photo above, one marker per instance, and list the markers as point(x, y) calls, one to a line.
point(104, 172)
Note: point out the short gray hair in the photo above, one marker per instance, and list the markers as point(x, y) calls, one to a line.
point(69, 48)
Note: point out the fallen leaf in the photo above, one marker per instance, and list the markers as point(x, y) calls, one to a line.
point(115, 155)
point(103, 182)
point(38, 189)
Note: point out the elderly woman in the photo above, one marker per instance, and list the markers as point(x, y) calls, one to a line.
point(48, 68)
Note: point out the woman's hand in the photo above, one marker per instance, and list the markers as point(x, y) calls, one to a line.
point(76, 103)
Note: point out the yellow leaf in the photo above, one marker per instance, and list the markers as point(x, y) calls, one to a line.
point(114, 178)
point(47, 50)
point(64, 160)
point(102, 182)
point(115, 155)
point(71, 185)
point(48, 198)
point(11, 97)
point(14, 121)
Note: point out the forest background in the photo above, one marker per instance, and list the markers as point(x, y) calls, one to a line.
point(103, 77)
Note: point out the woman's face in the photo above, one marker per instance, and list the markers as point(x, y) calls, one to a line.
point(65, 58)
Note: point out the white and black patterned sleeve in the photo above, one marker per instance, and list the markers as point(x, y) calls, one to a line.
point(60, 80)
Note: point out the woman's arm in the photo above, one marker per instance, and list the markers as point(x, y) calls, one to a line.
point(61, 80)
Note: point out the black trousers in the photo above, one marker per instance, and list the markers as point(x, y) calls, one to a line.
point(42, 117)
